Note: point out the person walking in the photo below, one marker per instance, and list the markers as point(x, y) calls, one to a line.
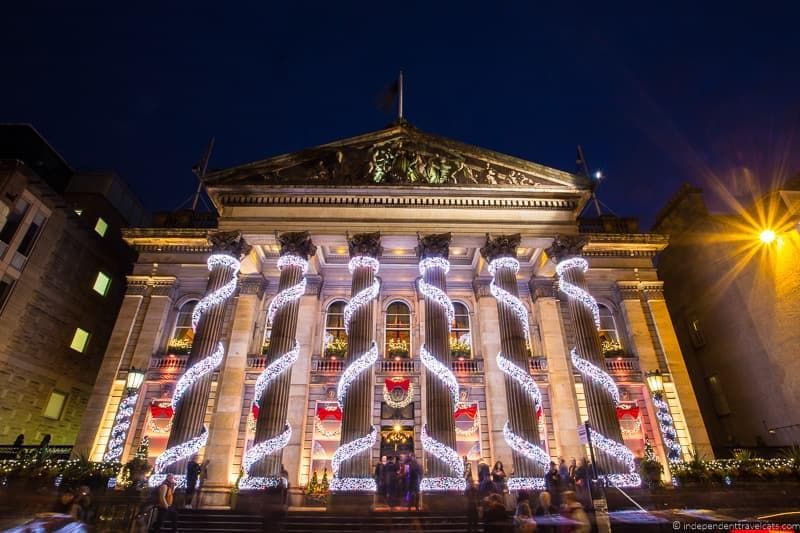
point(573, 467)
point(192, 474)
point(552, 483)
point(546, 513)
point(563, 473)
point(495, 519)
point(414, 478)
point(523, 519)
point(379, 478)
point(473, 502)
point(574, 511)
point(485, 484)
point(164, 508)
point(390, 481)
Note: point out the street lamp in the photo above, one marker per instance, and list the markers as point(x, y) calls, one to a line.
point(655, 381)
point(134, 380)
point(767, 236)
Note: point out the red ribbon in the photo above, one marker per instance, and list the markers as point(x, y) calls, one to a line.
point(161, 409)
point(393, 383)
point(329, 411)
point(255, 410)
point(470, 412)
point(627, 409)
point(538, 412)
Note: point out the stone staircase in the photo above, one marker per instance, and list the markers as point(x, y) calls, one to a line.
point(218, 522)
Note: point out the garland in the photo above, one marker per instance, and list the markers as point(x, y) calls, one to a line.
point(473, 429)
point(197, 371)
point(450, 458)
point(502, 295)
point(391, 402)
point(280, 365)
point(362, 363)
point(122, 422)
point(614, 449)
point(667, 425)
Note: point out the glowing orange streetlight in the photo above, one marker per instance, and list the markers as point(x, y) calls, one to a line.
point(767, 236)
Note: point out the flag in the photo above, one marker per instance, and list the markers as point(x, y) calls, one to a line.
point(385, 100)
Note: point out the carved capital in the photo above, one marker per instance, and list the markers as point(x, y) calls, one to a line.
point(368, 244)
point(566, 246)
point(163, 285)
point(229, 242)
point(481, 287)
point(628, 290)
point(437, 245)
point(313, 285)
point(500, 246)
point(297, 243)
point(653, 290)
point(255, 284)
point(543, 288)
point(137, 285)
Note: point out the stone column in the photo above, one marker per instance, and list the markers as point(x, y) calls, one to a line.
point(190, 411)
point(599, 403)
point(275, 399)
point(439, 405)
point(563, 402)
point(224, 429)
point(359, 401)
point(513, 345)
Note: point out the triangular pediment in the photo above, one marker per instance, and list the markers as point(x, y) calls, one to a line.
point(398, 155)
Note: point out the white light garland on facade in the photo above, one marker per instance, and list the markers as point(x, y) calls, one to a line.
point(122, 422)
point(449, 457)
point(594, 373)
point(175, 454)
point(275, 369)
point(436, 294)
point(223, 293)
point(520, 376)
point(197, 371)
point(348, 451)
point(320, 429)
point(573, 290)
point(502, 295)
point(667, 426)
point(621, 453)
point(362, 298)
point(438, 369)
point(391, 402)
point(258, 452)
point(290, 294)
point(361, 364)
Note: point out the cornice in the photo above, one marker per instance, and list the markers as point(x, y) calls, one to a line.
point(155, 285)
point(634, 290)
point(624, 244)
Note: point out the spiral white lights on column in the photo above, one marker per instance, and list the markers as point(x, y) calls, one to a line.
point(122, 422)
point(448, 456)
point(615, 450)
point(198, 370)
point(360, 364)
point(277, 367)
point(525, 448)
point(667, 425)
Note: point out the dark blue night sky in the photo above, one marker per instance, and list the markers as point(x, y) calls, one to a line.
point(655, 96)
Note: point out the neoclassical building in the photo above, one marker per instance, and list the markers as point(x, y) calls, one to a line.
point(392, 293)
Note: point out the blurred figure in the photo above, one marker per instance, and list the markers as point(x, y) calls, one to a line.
point(414, 477)
point(472, 504)
point(499, 476)
point(552, 483)
point(495, 519)
point(573, 467)
point(390, 481)
point(192, 474)
point(563, 473)
point(523, 520)
point(546, 512)
point(379, 478)
point(574, 511)
point(485, 484)
point(164, 508)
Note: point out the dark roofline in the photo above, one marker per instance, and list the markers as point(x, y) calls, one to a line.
point(685, 189)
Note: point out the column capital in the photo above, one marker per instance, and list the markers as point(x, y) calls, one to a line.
point(163, 285)
point(653, 290)
point(481, 287)
point(566, 246)
point(368, 244)
point(542, 288)
point(136, 286)
point(229, 242)
point(500, 246)
point(297, 243)
point(253, 284)
point(436, 245)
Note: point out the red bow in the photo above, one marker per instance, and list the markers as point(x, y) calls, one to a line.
point(161, 410)
point(393, 383)
point(627, 409)
point(255, 410)
point(470, 412)
point(329, 411)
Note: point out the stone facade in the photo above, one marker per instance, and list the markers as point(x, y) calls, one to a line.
point(311, 191)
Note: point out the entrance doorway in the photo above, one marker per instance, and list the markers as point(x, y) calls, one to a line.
point(397, 440)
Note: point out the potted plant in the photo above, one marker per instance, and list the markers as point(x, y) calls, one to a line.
point(265, 347)
point(650, 468)
point(397, 348)
point(460, 349)
point(611, 347)
point(336, 347)
point(179, 346)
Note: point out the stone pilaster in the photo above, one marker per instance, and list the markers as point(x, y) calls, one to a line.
point(224, 428)
point(191, 410)
point(439, 405)
point(514, 346)
point(358, 404)
point(563, 402)
point(602, 412)
point(275, 399)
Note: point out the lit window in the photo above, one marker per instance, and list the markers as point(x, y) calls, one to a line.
point(79, 212)
point(460, 337)
point(183, 335)
point(609, 335)
point(101, 227)
point(398, 330)
point(80, 340)
point(102, 283)
point(334, 342)
point(55, 405)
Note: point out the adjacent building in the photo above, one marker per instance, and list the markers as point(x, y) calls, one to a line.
point(383, 291)
point(62, 279)
point(732, 283)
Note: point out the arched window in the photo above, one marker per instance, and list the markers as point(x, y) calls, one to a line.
point(183, 334)
point(398, 331)
point(609, 335)
point(460, 335)
point(334, 343)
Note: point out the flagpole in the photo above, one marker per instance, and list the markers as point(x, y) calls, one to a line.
point(400, 97)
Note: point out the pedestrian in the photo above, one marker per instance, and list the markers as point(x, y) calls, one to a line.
point(203, 475)
point(499, 476)
point(192, 474)
point(414, 478)
point(523, 519)
point(285, 484)
point(84, 501)
point(472, 506)
point(573, 467)
point(390, 481)
point(379, 478)
point(574, 511)
point(495, 518)
point(485, 484)
point(563, 473)
point(552, 483)
point(546, 513)
point(582, 481)
point(164, 508)
point(19, 441)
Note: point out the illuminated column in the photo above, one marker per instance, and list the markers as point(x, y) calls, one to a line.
point(616, 461)
point(262, 462)
point(445, 466)
point(190, 398)
point(352, 462)
point(521, 430)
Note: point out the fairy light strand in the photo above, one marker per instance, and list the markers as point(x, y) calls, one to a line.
point(573, 290)
point(257, 452)
point(440, 370)
point(523, 378)
point(122, 423)
point(667, 426)
point(348, 451)
point(449, 457)
point(435, 294)
point(594, 373)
